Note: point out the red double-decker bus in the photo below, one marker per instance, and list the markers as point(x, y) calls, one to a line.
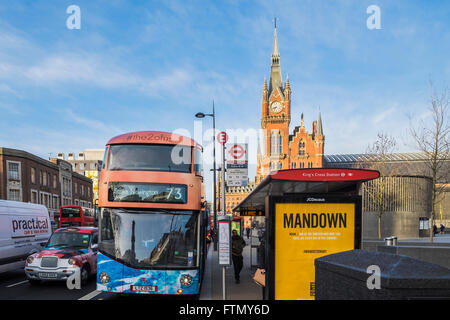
point(74, 215)
point(152, 220)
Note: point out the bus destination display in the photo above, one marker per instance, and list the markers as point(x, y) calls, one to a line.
point(147, 192)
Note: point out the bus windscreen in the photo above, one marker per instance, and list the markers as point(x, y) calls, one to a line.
point(137, 157)
point(150, 239)
point(70, 212)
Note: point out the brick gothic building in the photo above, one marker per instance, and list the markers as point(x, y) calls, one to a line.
point(281, 149)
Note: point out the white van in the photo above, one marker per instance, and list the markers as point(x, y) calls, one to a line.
point(24, 229)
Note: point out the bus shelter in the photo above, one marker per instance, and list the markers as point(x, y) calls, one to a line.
point(309, 213)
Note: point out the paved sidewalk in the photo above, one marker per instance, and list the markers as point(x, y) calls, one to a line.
point(247, 289)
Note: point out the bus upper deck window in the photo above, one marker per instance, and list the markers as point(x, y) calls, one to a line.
point(104, 158)
point(141, 157)
point(198, 162)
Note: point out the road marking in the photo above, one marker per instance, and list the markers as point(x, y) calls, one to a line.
point(91, 295)
point(16, 284)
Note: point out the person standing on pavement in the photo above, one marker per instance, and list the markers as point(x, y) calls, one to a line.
point(237, 247)
point(248, 232)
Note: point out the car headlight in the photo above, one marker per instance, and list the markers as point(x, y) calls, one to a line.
point(30, 259)
point(186, 280)
point(104, 277)
point(72, 261)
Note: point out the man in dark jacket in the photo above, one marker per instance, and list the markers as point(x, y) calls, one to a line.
point(237, 246)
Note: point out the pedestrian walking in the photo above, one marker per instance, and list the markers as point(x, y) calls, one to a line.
point(442, 229)
point(248, 232)
point(237, 247)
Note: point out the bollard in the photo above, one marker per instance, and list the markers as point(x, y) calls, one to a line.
point(391, 241)
point(388, 241)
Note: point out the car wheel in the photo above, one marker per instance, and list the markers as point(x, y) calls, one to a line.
point(34, 282)
point(84, 275)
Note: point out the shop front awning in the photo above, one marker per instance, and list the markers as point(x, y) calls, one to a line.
point(319, 180)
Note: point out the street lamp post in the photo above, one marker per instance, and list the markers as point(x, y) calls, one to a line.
point(213, 115)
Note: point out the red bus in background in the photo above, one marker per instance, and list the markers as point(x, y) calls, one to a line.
point(76, 216)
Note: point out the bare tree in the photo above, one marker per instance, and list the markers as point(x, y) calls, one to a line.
point(433, 138)
point(377, 158)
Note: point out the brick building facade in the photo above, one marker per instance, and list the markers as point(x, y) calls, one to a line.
point(28, 178)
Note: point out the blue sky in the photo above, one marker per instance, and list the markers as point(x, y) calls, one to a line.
point(151, 65)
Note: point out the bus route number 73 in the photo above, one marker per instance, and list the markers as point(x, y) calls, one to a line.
point(174, 192)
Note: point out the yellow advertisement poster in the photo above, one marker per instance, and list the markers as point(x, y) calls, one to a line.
point(304, 232)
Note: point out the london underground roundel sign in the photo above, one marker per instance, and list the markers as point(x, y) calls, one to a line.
point(222, 137)
point(237, 151)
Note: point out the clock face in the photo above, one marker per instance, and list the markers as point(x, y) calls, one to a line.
point(276, 106)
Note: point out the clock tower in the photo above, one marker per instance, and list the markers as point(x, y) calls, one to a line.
point(276, 117)
point(282, 150)
point(279, 149)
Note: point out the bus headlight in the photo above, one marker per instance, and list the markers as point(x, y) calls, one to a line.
point(30, 259)
point(72, 261)
point(186, 280)
point(104, 277)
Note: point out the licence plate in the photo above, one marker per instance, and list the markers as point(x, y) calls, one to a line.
point(47, 275)
point(144, 288)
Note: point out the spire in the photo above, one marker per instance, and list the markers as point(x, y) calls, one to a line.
point(301, 121)
point(319, 126)
point(258, 159)
point(287, 88)
point(265, 92)
point(275, 74)
point(275, 52)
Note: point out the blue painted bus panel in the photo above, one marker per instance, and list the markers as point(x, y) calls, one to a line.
point(123, 277)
